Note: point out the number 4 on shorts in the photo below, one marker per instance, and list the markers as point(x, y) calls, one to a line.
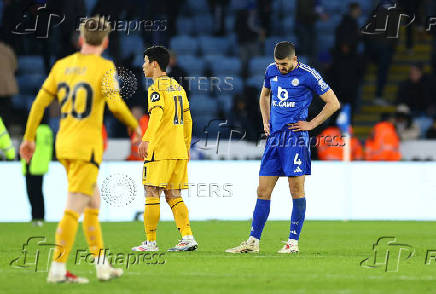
point(296, 159)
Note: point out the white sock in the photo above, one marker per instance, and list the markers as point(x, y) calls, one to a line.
point(58, 268)
point(252, 239)
point(293, 241)
point(188, 237)
point(152, 243)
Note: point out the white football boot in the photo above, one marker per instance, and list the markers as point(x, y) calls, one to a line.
point(290, 247)
point(106, 272)
point(249, 246)
point(187, 243)
point(58, 274)
point(146, 246)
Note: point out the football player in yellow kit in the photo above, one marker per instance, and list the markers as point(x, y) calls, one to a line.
point(165, 148)
point(76, 81)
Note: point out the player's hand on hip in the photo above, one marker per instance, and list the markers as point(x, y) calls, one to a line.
point(301, 126)
point(266, 128)
point(143, 149)
point(27, 148)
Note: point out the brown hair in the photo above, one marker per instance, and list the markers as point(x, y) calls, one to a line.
point(94, 30)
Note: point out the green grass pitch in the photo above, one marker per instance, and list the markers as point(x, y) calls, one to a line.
point(329, 261)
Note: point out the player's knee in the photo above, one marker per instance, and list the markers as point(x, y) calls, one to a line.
point(297, 191)
point(263, 193)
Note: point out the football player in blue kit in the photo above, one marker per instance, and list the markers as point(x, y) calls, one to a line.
point(284, 102)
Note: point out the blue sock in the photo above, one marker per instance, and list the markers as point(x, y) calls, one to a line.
point(260, 215)
point(297, 217)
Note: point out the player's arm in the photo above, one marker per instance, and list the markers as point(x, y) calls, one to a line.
point(317, 84)
point(45, 96)
point(121, 112)
point(187, 128)
point(265, 108)
point(155, 110)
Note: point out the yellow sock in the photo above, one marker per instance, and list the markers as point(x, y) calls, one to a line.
point(92, 230)
point(181, 215)
point(65, 234)
point(151, 217)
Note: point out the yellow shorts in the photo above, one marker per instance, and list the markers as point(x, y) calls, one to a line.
point(81, 174)
point(170, 174)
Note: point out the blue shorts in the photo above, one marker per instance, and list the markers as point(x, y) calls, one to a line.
point(287, 153)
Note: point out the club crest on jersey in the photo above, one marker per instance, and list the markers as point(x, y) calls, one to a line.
point(154, 97)
point(295, 82)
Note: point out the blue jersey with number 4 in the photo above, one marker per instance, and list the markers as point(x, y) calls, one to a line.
point(292, 93)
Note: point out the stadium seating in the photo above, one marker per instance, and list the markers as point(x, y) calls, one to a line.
point(203, 104)
point(198, 6)
point(200, 86)
point(185, 26)
point(226, 66)
point(214, 45)
point(184, 45)
point(89, 5)
point(131, 45)
point(225, 103)
point(21, 102)
point(193, 65)
point(203, 24)
point(258, 64)
point(30, 64)
point(29, 84)
point(256, 81)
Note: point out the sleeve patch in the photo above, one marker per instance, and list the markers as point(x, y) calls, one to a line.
point(154, 97)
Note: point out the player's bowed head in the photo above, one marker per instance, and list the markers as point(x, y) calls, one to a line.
point(284, 57)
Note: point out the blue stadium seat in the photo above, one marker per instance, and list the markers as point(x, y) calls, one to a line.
point(185, 26)
point(198, 6)
point(131, 45)
point(229, 23)
point(30, 83)
point(256, 81)
point(200, 86)
point(203, 24)
point(289, 24)
point(214, 45)
point(22, 101)
point(213, 58)
point(203, 104)
point(31, 64)
point(229, 85)
point(203, 123)
point(138, 61)
point(326, 41)
point(270, 42)
point(89, 5)
point(225, 103)
point(184, 45)
point(258, 64)
point(193, 65)
point(284, 5)
point(226, 66)
point(233, 43)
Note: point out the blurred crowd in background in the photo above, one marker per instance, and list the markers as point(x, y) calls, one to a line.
point(219, 51)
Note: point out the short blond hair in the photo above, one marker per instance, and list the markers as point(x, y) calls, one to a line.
point(95, 29)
